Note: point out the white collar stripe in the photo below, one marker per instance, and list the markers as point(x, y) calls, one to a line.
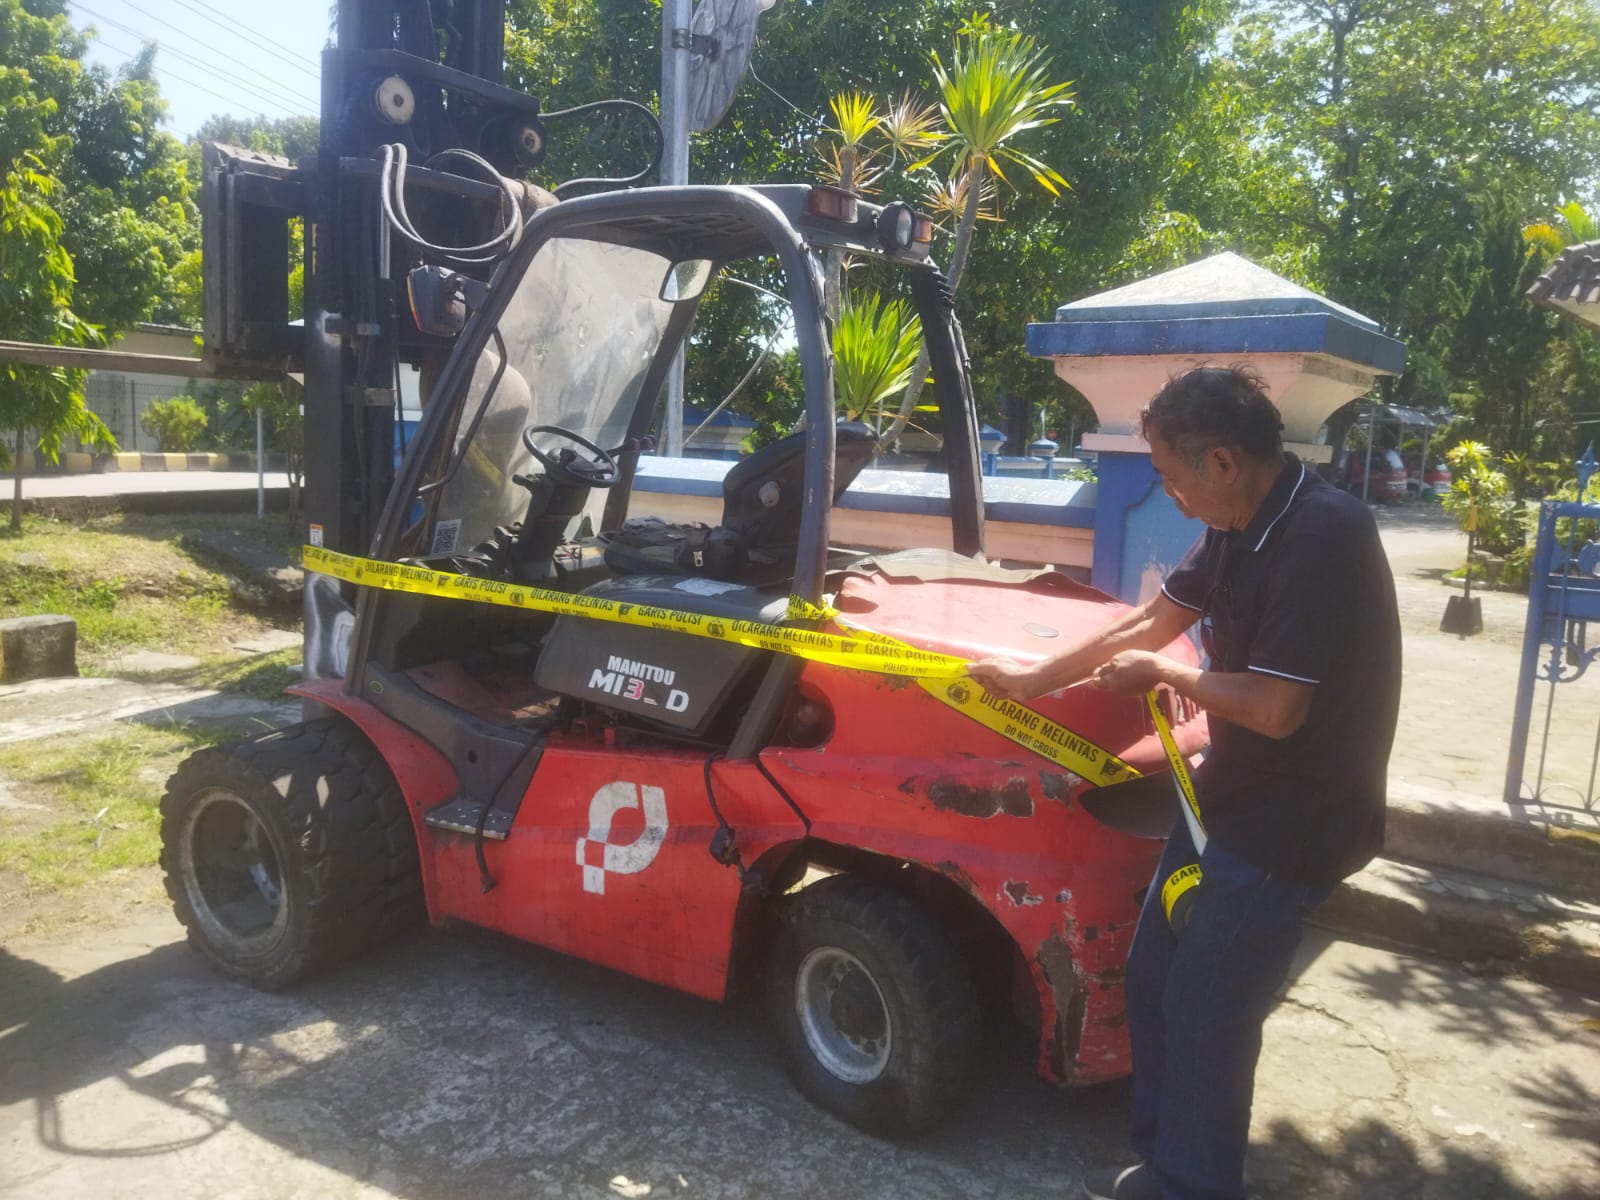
point(1292, 493)
point(1175, 600)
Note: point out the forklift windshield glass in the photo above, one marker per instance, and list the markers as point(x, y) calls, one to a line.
point(576, 339)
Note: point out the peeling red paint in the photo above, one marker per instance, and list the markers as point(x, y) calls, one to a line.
point(1012, 798)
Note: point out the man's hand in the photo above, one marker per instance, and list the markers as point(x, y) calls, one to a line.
point(1006, 678)
point(1132, 673)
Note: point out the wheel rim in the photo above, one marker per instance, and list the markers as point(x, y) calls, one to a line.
point(231, 873)
point(843, 1015)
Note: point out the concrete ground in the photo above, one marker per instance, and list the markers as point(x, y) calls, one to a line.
point(459, 1064)
point(1459, 693)
point(456, 1063)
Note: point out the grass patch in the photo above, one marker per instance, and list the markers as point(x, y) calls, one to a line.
point(129, 583)
point(264, 676)
point(103, 799)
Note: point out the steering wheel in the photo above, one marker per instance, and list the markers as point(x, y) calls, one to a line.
point(565, 466)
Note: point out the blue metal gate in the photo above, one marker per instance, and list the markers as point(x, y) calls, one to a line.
point(1563, 597)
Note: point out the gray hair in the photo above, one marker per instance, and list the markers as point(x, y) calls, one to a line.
point(1214, 406)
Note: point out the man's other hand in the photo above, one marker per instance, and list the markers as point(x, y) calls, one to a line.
point(1131, 673)
point(1005, 678)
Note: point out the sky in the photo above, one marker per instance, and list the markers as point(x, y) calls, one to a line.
point(257, 58)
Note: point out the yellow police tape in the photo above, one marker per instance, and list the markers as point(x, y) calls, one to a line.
point(1173, 890)
point(943, 676)
point(1180, 769)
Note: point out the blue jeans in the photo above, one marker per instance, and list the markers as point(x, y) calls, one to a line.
point(1196, 1004)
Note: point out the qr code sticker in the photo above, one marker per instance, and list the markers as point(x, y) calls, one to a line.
point(445, 536)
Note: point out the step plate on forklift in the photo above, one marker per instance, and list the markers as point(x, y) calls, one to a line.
point(462, 816)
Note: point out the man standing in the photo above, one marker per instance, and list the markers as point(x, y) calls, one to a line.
point(1297, 614)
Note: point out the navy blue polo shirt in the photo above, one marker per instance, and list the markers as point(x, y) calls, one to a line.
point(1304, 592)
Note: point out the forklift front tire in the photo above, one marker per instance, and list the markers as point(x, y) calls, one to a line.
point(876, 1013)
point(288, 853)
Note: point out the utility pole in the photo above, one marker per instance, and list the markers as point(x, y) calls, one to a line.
point(675, 18)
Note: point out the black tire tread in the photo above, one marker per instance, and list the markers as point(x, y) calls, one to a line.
point(356, 851)
point(940, 976)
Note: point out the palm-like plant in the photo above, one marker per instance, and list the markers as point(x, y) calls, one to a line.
point(875, 346)
point(910, 132)
point(848, 162)
point(945, 200)
point(866, 142)
point(996, 88)
point(1571, 225)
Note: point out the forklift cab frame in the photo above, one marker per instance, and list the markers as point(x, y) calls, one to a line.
point(575, 331)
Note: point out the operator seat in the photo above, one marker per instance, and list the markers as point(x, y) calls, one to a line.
point(762, 499)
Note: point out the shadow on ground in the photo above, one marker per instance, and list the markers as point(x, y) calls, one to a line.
point(464, 1064)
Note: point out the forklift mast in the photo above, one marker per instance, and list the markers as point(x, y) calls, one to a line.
point(425, 75)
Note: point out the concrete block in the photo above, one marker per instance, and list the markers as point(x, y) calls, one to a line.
point(197, 462)
point(152, 462)
point(38, 647)
point(76, 462)
point(124, 461)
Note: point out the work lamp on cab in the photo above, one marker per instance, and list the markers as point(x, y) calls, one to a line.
point(900, 228)
point(831, 204)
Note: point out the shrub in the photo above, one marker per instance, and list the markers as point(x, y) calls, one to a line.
point(1480, 500)
point(177, 423)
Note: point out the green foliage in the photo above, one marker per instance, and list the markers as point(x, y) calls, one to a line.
point(126, 202)
point(1570, 224)
point(1135, 67)
point(875, 345)
point(288, 137)
point(1481, 500)
point(1409, 141)
point(106, 807)
point(177, 423)
point(35, 306)
point(996, 88)
point(280, 404)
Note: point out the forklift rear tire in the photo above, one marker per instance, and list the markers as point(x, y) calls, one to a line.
point(288, 853)
point(876, 1011)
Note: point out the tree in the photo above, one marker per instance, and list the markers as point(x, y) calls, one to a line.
point(1136, 66)
point(126, 204)
point(1565, 384)
point(1412, 139)
point(35, 305)
point(996, 87)
point(1569, 225)
point(280, 404)
point(293, 138)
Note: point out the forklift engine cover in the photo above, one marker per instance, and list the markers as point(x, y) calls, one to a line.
point(669, 678)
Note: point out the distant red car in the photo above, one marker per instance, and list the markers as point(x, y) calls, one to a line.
point(1388, 475)
point(1422, 481)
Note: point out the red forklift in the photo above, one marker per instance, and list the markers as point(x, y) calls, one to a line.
point(890, 873)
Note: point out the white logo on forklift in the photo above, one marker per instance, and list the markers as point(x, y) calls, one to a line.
point(629, 679)
point(597, 856)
